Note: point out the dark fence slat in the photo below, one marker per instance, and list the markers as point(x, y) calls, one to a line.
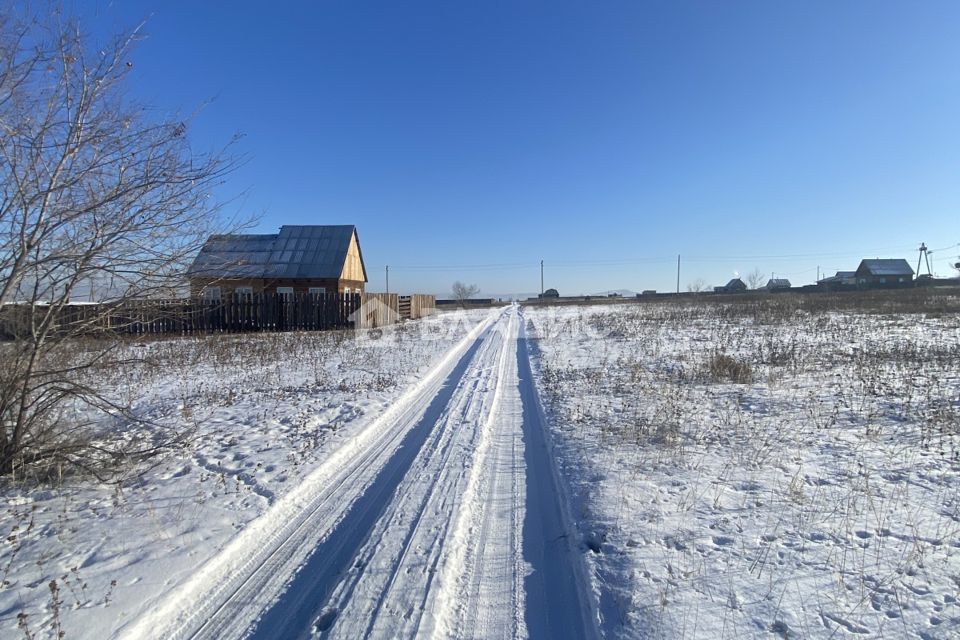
point(257, 312)
point(236, 314)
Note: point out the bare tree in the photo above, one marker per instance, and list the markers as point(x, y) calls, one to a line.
point(697, 286)
point(755, 279)
point(97, 200)
point(463, 292)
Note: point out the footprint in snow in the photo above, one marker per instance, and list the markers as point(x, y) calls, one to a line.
point(325, 620)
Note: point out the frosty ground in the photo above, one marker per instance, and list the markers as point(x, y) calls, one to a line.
point(641, 470)
point(259, 412)
point(436, 512)
point(760, 470)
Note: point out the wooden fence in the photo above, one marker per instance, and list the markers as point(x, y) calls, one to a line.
point(377, 310)
point(257, 312)
point(416, 306)
point(382, 309)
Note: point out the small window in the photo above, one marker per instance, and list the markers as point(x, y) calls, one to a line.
point(244, 292)
point(346, 290)
point(210, 293)
point(285, 293)
point(317, 291)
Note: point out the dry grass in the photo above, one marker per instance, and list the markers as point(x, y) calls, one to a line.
point(721, 367)
point(820, 448)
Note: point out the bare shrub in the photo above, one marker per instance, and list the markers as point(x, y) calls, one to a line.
point(722, 367)
point(95, 201)
point(463, 292)
point(755, 279)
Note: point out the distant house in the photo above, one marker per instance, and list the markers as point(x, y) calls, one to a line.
point(734, 286)
point(778, 284)
point(883, 273)
point(300, 259)
point(840, 281)
point(550, 293)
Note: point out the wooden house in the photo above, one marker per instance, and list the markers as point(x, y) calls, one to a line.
point(884, 273)
point(839, 282)
point(736, 285)
point(301, 259)
point(778, 284)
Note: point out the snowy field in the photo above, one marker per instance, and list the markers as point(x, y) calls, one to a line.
point(760, 472)
point(257, 413)
point(748, 470)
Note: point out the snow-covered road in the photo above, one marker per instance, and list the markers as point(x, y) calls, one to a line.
point(444, 518)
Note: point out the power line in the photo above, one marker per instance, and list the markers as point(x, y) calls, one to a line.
point(451, 267)
point(953, 246)
point(493, 266)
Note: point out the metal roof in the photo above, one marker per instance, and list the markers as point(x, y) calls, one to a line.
point(886, 267)
point(841, 277)
point(778, 283)
point(298, 251)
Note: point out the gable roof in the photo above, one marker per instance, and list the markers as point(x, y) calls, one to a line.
point(298, 251)
point(736, 283)
point(841, 277)
point(885, 267)
point(778, 283)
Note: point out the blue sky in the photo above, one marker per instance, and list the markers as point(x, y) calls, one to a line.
point(605, 138)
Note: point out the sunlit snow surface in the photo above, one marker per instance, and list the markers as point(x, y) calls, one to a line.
point(261, 411)
point(819, 499)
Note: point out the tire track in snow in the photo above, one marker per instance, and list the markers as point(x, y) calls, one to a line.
point(302, 610)
point(229, 592)
point(557, 605)
point(448, 519)
point(398, 572)
point(485, 572)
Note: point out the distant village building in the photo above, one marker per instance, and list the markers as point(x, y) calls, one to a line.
point(842, 280)
point(734, 286)
point(884, 273)
point(301, 259)
point(778, 284)
point(550, 293)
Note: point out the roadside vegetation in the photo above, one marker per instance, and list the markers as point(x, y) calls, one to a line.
point(779, 465)
point(101, 199)
point(244, 417)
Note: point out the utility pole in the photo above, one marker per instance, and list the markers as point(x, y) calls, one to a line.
point(541, 278)
point(924, 253)
point(818, 273)
point(678, 273)
point(388, 279)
